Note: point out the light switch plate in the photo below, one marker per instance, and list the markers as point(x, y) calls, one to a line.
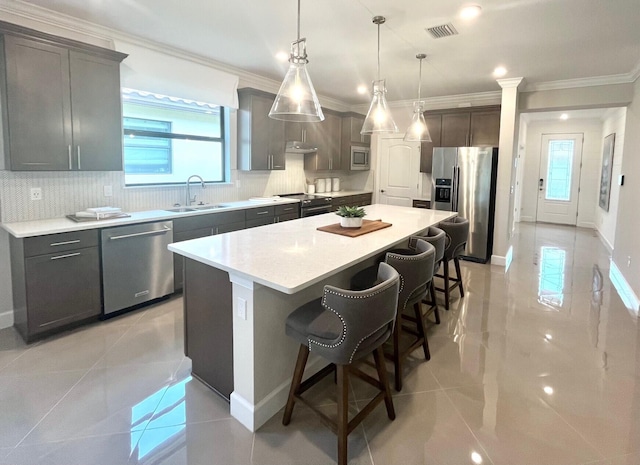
point(242, 308)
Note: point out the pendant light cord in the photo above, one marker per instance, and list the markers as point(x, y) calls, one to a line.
point(420, 81)
point(298, 19)
point(378, 51)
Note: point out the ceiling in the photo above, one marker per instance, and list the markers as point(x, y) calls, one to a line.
point(540, 40)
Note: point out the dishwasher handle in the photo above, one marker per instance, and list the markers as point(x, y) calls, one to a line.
point(145, 233)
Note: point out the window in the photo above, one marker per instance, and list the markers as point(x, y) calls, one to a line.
point(167, 139)
point(559, 170)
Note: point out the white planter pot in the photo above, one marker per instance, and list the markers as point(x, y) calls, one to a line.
point(350, 222)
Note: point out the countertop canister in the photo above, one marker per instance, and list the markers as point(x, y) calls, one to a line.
point(320, 185)
point(335, 184)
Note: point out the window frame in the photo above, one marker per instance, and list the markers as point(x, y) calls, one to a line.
point(222, 140)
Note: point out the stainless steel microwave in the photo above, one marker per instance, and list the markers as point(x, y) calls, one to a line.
point(359, 158)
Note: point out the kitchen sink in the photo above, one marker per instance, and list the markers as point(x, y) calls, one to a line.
point(180, 209)
point(207, 207)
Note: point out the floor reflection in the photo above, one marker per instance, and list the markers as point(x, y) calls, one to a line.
point(551, 277)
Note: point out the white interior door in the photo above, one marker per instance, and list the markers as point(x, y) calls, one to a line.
point(399, 171)
point(559, 180)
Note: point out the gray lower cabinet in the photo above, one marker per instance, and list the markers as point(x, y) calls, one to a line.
point(56, 281)
point(194, 227)
point(208, 326)
point(357, 200)
point(61, 110)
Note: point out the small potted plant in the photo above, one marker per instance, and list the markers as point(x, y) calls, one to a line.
point(350, 217)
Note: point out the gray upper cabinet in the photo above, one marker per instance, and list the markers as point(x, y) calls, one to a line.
point(97, 113)
point(62, 108)
point(326, 135)
point(37, 106)
point(261, 140)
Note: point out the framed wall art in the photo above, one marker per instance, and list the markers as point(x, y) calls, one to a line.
point(607, 170)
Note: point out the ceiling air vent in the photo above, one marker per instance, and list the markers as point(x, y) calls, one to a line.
point(444, 30)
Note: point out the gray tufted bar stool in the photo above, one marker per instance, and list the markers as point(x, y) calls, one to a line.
point(457, 230)
point(416, 272)
point(438, 239)
point(342, 327)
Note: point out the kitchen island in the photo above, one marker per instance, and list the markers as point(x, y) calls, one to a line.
point(240, 287)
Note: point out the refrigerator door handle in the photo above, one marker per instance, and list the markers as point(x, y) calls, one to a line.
point(454, 193)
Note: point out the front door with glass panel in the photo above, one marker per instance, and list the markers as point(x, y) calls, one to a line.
point(559, 180)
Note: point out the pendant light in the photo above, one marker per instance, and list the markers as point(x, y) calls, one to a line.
point(297, 99)
point(418, 130)
point(379, 119)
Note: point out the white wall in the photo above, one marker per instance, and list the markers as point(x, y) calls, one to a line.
point(614, 123)
point(589, 175)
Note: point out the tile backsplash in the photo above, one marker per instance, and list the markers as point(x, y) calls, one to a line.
point(64, 193)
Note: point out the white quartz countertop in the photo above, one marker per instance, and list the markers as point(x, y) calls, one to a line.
point(60, 225)
point(292, 255)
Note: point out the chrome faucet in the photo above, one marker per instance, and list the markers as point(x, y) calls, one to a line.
point(190, 200)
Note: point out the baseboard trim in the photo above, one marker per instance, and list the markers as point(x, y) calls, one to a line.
point(527, 219)
point(629, 298)
point(6, 319)
point(586, 224)
point(604, 241)
point(254, 416)
point(504, 261)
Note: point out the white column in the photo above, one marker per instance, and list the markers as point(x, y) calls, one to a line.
point(502, 248)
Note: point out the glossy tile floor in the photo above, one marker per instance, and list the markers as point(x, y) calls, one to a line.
point(538, 366)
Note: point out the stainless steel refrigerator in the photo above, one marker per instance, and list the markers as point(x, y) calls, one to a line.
point(463, 179)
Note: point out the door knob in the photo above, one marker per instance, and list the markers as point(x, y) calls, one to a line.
point(381, 190)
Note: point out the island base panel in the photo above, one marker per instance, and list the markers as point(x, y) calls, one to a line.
point(208, 325)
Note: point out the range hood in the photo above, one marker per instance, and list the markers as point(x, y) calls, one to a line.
point(296, 146)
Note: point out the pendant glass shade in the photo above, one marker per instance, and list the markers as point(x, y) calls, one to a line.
point(379, 119)
point(297, 99)
point(418, 130)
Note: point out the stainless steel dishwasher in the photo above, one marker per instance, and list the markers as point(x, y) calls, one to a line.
point(136, 264)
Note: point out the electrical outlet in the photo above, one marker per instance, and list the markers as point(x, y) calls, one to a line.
point(628, 261)
point(36, 193)
point(108, 191)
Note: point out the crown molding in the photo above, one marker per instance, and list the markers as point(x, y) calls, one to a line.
point(510, 82)
point(107, 37)
point(586, 82)
point(445, 102)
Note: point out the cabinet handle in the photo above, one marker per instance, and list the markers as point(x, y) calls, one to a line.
point(70, 161)
point(79, 164)
point(470, 140)
point(216, 230)
point(287, 209)
point(66, 256)
point(262, 213)
point(54, 244)
point(146, 233)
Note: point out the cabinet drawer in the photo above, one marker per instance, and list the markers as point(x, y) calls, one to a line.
point(235, 216)
point(288, 217)
point(421, 204)
point(287, 209)
point(192, 222)
point(259, 222)
point(262, 212)
point(54, 243)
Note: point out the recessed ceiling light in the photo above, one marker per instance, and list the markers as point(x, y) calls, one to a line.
point(548, 390)
point(548, 337)
point(362, 89)
point(470, 11)
point(500, 71)
point(282, 56)
point(564, 116)
point(476, 458)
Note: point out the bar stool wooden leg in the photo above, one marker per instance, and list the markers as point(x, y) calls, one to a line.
point(436, 312)
point(445, 269)
point(303, 355)
point(456, 262)
point(378, 356)
point(422, 332)
point(343, 412)
point(397, 359)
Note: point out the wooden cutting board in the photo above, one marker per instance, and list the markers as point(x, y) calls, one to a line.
point(367, 227)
